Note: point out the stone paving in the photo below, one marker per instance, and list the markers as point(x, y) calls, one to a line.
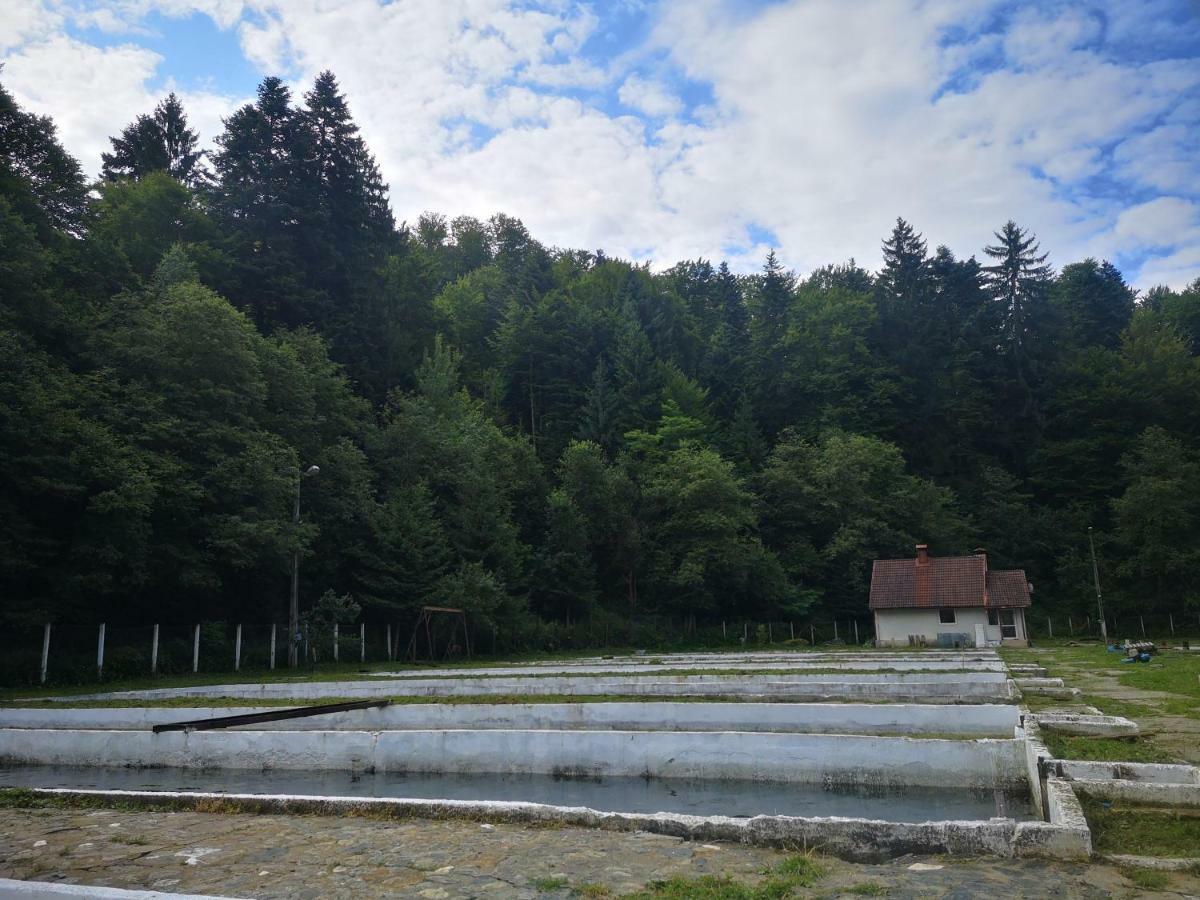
point(267, 856)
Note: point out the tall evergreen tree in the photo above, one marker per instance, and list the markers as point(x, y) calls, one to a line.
point(159, 142)
point(1019, 282)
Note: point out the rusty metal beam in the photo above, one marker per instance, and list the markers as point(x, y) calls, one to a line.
point(276, 715)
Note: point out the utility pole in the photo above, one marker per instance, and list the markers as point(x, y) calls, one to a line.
point(294, 607)
point(1096, 578)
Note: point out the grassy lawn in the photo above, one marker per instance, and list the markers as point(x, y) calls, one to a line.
point(1174, 672)
point(1067, 746)
point(1118, 828)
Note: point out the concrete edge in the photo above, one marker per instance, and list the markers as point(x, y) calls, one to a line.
point(1167, 864)
point(1183, 796)
point(12, 887)
point(848, 838)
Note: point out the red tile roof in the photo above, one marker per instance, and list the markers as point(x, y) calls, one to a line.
point(945, 581)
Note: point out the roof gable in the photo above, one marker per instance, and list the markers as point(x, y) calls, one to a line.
point(945, 581)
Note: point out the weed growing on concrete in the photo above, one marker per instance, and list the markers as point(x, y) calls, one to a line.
point(552, 883)
point(590, 889)
point(1147, 879)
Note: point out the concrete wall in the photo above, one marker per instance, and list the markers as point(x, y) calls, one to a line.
point(622, 670)
point(45, 890)
point(1148, 773)
point(985, 720)
point(808, 758)
point(893, 626)
point(933, 688)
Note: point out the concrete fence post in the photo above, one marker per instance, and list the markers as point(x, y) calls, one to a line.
point(100, 653)
point(196, 648)
point(1050, 626)
point(1071, 626)
point(272, 645)
point(745, 632)
point(154, 650)
point(389, 641)
point(362, 641)
point(792, 629)
point(812, 635)
point(237, 649)
point(1142, 623)
point(45, 651)
point(335, 641)
point(723, 634)
point(856, 631)
point(770, 633)
point(1171, 619)
point(835, 630)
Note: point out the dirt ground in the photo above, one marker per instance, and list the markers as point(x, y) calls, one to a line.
point(264, 856)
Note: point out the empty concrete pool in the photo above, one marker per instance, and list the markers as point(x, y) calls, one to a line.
point(867, 755)
point(697, 797)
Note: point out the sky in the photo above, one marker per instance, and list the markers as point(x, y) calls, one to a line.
point(661, 130)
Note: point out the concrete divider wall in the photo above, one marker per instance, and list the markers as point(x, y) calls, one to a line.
point(967, 687)
point(984, 720)
point(622, 669)
point(1186, 796)
point(841, 759)
point(1149, 773)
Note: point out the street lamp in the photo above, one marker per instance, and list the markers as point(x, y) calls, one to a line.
point(1099, 596)
point(294, 608)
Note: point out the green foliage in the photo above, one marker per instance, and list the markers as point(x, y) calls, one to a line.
point(539, 435)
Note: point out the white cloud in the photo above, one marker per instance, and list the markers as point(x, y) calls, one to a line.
point(650, 97)
point(827, 119)
point(92, 92)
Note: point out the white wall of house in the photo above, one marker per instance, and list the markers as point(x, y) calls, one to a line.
point(893, 626)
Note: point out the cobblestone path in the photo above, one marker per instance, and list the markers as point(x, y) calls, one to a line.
point(316, 857)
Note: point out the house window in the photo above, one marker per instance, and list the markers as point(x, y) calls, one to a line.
point(946, 616)
point(1006, 619)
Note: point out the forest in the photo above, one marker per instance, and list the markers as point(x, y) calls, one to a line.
point(541, 434)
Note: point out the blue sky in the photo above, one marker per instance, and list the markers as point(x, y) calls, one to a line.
point(670, 129)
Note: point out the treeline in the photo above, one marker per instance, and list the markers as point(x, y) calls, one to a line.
point(535, 433)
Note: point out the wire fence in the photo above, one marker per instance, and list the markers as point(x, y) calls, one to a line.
point(61, 654)
point(1120, 626)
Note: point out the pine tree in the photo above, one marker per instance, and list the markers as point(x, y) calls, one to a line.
point(599, 424)
point(259, 198)
point(1019, 283)
point(159, 142)
point(1094, 302)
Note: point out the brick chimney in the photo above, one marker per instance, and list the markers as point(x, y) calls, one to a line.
point(922, 554)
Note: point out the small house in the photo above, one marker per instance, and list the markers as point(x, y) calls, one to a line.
point(947, 601)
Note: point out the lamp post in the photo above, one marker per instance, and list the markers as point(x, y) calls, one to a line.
point(294, 608)
point(1096, 578)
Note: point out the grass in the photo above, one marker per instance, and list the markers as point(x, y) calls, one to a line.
point(1119, 828)
point(794, 873)
point(1172, 672)
point(551, 883)
point(1068, 746)
point(1147, 879)
point(590, 889)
